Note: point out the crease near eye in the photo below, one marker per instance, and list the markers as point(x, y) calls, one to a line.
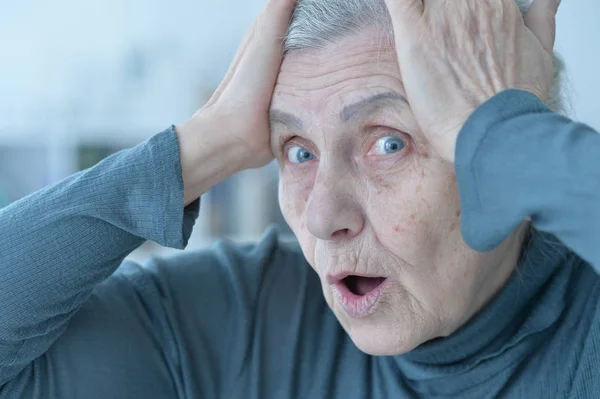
point(299, 154)
point(388, 145)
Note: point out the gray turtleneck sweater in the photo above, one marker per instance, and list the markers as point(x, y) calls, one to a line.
point(250, 321)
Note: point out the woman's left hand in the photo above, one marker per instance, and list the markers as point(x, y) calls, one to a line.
point(455, 55)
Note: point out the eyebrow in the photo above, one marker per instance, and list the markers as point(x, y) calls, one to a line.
point(369, 104)
point(347, 114)
point(286, 119)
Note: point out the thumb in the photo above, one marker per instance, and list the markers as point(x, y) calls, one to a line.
point(541, 20)
point(404, 14)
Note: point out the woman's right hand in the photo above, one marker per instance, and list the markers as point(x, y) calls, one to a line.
point(231, 131)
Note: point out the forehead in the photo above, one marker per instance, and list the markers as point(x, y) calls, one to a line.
point(344, 72)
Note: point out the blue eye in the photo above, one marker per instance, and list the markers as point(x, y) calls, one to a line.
point(298, 154)
point(389, 145)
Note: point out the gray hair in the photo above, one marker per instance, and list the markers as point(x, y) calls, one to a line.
point(316, 23)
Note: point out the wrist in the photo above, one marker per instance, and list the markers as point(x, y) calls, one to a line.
point(208, 155)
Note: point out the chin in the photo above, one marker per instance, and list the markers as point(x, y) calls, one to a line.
point(381, 340)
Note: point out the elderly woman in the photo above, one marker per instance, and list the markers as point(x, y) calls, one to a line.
point(450, 215)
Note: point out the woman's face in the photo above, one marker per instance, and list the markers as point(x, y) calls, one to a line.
point(366, 195)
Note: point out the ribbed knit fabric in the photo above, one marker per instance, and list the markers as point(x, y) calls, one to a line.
point(250, 321)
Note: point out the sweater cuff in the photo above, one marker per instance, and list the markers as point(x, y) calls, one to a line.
point(489, 155)
point(172, 222)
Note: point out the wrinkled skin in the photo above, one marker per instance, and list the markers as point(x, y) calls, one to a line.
point(455, 55)
point(361, 203)
point(357, 205)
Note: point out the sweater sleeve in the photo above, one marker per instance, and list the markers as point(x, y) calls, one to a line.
point(515, 159)
point(59, 244)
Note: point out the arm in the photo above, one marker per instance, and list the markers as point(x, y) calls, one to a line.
point(515, 158)
point(60, 242)
point(67, 329)
point(198, 325)
point(60, 315)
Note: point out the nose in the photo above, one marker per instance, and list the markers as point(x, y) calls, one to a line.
point(333, 211)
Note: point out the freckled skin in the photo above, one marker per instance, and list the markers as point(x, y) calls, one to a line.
point(392, 215)
point(398, 229)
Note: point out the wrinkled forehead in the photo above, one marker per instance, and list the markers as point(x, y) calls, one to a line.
point(326, 80)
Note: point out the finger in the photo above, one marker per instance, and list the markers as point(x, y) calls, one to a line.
point(251, 36)
point(230, 72)
point(541, 20)
point(234, 64)
point(404, 14)
point(259, 63)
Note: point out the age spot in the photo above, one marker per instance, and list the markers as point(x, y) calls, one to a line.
point(426, 202)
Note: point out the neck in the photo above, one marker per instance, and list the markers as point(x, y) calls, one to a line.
point(512, 251)
point(530, 302)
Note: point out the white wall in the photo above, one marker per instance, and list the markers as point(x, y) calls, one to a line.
point(578, 40)
point(74, 60)
point(71, 60)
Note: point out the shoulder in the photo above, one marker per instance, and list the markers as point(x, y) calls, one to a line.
point(263, 282)
point(581, 329)
point(244, 267)
point(240, 305)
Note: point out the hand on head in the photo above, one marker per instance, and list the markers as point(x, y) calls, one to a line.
point(244, 96)
point(455, 55)
point(230, 132)
point(237, 113)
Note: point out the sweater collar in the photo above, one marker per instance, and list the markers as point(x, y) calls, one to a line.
point(531, 301)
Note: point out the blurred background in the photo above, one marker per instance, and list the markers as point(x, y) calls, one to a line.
point(81, 80)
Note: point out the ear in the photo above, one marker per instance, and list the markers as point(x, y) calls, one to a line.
point(541, 20)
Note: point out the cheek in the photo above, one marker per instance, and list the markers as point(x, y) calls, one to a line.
point(293, 199)
point(294, 194)
point(447, 207)
point(415, 215)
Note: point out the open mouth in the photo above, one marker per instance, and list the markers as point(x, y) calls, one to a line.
point(361, 286)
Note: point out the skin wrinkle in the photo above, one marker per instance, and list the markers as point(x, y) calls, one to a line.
point(350, 62)
point(370, 105)
point(391, 215)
